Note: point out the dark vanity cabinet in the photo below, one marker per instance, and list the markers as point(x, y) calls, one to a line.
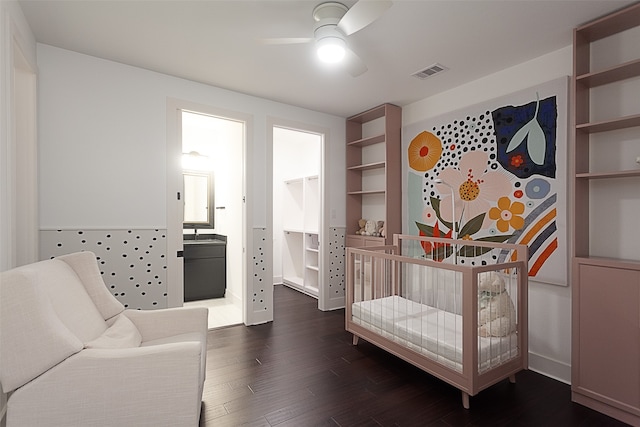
point(205, 269)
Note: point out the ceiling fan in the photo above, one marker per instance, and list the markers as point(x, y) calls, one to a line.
point(333, 23)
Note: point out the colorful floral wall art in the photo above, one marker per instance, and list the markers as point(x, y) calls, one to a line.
point(500, 167)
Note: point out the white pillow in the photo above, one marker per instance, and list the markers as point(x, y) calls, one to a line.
point(122, 334)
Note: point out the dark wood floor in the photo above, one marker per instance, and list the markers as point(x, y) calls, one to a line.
point(301, 370)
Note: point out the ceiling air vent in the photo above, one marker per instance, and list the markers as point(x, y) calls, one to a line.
point(429, 71)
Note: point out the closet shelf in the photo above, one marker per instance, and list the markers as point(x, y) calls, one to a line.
point(608, 125)
point(368, 166)
point(293, 181)
point(293, 230)
point(300, 246)
point(312, 267)
point(293, 280)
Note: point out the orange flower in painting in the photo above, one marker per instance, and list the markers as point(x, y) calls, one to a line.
point(424, 151)
point(507, 214)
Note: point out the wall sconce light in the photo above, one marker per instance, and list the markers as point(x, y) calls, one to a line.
point(194, 161)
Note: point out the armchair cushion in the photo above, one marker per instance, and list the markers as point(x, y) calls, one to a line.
point(85, 266)
point(71, 355)
point(122, 334)
point(33, 339)
point(145, 386)
point(158, 324)
point(66, 293)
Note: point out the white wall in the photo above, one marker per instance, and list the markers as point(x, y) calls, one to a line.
point(102, 140)
point(549, 305)
point(103, 143)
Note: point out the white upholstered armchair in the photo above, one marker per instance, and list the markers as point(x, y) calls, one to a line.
point(71, 355)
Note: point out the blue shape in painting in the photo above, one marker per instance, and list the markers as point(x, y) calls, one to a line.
point(526, 138)
point(537, 188)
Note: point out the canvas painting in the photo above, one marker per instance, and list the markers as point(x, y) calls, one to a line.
point(495, 172)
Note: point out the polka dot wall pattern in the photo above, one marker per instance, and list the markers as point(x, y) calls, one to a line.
point(459, 137)
point(132, 262)
point(259, 270)
point(336, 268)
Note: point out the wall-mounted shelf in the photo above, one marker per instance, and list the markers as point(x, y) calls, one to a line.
point(368, 166)
point(366, 141)
point(610, 75)
point(355, 193)
point(610, 124)
point(603, 175)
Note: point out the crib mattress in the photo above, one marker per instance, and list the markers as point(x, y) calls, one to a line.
point(430, 331)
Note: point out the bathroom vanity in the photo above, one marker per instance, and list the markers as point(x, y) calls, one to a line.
point(205, 267)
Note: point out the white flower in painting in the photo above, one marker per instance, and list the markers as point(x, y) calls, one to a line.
point(475, 189)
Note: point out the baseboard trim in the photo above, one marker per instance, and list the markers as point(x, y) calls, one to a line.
point(550, 367)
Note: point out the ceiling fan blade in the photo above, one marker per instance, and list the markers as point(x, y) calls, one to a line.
point(353, 64)
point(286, 40)
point(361, 14)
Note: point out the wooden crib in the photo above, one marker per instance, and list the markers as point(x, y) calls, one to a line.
point(419, 300)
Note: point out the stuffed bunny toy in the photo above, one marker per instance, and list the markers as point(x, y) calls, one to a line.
point(497, 314)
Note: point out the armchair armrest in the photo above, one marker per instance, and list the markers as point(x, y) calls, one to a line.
point(156, 324)
point(144, 386)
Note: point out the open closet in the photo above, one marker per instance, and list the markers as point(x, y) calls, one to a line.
point(297, 209)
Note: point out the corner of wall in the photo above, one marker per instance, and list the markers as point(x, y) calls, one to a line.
point(549, 367)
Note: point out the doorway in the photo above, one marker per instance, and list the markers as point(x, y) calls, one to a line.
point(206, 142)
point(215, 143)
point(20, 184)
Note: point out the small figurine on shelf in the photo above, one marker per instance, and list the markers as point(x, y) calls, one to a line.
point(380, 229)
point(369, 228)
point(361, 225)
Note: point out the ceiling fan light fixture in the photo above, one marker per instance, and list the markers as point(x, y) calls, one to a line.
point(331, 49)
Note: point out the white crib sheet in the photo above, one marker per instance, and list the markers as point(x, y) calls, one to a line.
point(430, 331)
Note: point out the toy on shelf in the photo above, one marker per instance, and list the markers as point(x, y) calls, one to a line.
point(361, 224)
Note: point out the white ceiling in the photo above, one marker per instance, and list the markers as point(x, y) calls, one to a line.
point(218, 43)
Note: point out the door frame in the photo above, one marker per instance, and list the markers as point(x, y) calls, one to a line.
point(19, 220)
point(175, 263)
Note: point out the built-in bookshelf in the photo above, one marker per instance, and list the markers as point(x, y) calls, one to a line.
point(373, 173)
point(606, 253)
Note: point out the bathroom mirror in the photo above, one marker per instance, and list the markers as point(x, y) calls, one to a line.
point(198, 200)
